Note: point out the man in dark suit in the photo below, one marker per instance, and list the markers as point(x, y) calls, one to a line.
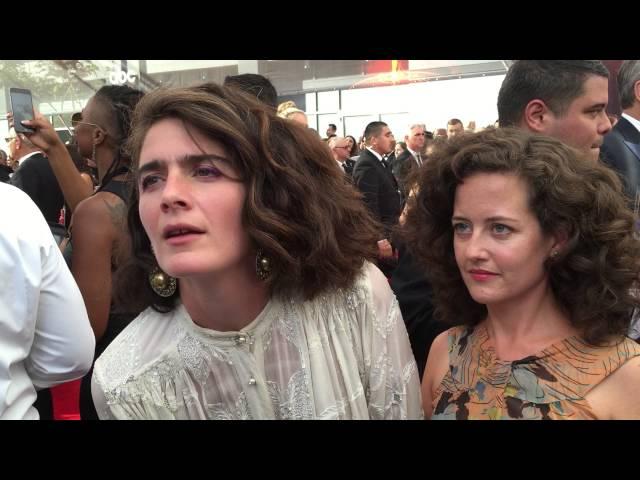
point(621, 146)
point(35, 177)
point(373, 177)
point(340, 149)
point(411, 158)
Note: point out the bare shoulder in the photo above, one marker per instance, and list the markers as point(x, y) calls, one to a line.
point(93, 216)
point(616, 397)
point(115, 207)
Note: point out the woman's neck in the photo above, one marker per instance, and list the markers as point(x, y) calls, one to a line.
point(226, 301)
point(104, 159)
point(525, 325)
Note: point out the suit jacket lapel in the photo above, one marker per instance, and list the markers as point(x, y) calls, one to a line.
point(634, 147)
point(628, 131)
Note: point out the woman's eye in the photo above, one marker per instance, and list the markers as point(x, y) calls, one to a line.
point(148, 181)
point(501, 229)
point(207, 171)
point(461, 228)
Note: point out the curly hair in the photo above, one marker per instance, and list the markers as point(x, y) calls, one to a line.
point(299, 210)
point(596, 273)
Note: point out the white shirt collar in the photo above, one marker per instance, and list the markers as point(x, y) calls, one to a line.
point(633, 121)
point(378, 156)
point(27, 156)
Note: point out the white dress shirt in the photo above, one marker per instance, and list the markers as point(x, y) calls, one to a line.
point(45, 335)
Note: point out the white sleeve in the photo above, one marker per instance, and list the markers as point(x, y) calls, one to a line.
point(394, 384)
point(44, 325)
point(63, 343)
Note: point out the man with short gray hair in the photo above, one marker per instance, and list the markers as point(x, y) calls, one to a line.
point(340, 149)
point(411, 158)
point(621, 146)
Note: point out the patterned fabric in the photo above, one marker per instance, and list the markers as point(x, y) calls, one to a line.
point(551, 385)
point(344, 355)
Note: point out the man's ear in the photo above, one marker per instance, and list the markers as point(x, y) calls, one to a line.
point(535, 116)
point(636, 91)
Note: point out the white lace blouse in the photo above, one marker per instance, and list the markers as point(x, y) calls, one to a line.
point(344, 355)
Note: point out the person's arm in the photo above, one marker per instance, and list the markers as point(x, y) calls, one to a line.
point(393, 382)
point(93, 239)
point(365, 178)
point(73, 187)
point(99, 400)
point(63, 344)
point(41, 309)
point(435, 371)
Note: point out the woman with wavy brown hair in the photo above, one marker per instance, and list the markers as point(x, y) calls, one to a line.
point(250, 260)
point(530, 249)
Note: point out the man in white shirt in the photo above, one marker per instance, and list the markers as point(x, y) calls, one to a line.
point(45, 335)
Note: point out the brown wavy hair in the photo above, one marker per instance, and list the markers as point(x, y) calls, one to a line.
point(299, 209)
point(597, 270)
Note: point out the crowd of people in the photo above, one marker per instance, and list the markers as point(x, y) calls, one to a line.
point(219, 260)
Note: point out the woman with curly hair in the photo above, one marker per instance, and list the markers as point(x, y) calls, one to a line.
point(530, 249)
point(250, 260)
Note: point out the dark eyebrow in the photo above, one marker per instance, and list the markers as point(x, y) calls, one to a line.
point(501, 219)
point(488, 220)
point(187, 160)
point(599, 106)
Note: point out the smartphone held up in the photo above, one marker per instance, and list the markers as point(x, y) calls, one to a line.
point(22, 108)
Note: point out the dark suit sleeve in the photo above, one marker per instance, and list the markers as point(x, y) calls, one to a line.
point(365, 177)
point(616, 155)
point(26, 179)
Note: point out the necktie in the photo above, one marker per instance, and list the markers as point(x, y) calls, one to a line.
point(419, 159)
point(385, 164)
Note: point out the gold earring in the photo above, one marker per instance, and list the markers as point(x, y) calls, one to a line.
point(161, 283)
point(263, 265)
point(554, 254)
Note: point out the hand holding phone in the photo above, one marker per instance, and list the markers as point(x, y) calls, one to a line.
point(22, 108)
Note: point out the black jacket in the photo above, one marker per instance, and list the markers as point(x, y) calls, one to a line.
point(5, 171)
point(35, 177)
point(380, 190)
point(348, 167)
point(404, 165)
point(621, 151)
